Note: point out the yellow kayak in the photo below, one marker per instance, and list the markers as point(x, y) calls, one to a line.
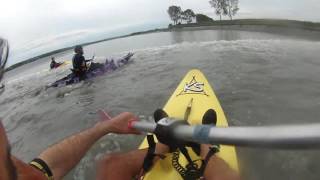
point(65, 63)
point(193, 96)
point(61, 65)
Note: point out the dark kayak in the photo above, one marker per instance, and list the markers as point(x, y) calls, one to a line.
point(96, 69)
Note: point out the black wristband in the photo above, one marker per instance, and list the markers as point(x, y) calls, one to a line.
point(43, 167)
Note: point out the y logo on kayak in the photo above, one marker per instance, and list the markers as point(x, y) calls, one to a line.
point(193, 87)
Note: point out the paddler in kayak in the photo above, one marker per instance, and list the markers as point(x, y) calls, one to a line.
point(136, 162)
point(54, 64)
point(79, 63)
point(59, 159)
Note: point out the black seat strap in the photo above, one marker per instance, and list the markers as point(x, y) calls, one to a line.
point(148, 160)
point(212, 151)
point(184, 151)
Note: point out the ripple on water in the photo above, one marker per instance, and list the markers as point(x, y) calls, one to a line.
point(86, 98)
point(257, 81)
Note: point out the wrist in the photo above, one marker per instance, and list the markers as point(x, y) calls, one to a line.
point(98, 131)
point(101, 128)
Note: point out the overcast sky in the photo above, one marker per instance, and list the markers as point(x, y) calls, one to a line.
point(33, 23)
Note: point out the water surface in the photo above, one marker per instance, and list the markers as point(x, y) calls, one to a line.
point(260, 79)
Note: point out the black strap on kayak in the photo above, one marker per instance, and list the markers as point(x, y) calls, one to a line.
point(192, 171)
point(212, 151)
point(148, 160)
point(164, 136)
point(164, 133)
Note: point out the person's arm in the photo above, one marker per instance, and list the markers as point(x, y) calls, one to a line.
point(62, 157)
point(88, 60)
point(25, 171)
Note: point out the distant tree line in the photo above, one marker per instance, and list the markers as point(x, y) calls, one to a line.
point(178, 16)
point(201, 18)
point(222, 8)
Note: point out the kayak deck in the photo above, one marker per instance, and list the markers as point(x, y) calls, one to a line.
point(192, 98)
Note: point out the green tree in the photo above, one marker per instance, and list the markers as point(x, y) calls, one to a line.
point(201, 18)
point(232, 8)
point(188, 15)
point(225, 7)
point(219, 6)
point(174, 13)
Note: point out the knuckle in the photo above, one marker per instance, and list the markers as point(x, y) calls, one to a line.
point(127, 114)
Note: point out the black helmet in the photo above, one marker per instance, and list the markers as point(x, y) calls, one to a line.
point(4, 53)
point(78, 49)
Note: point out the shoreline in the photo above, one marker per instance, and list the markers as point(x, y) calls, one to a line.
point(308, 30)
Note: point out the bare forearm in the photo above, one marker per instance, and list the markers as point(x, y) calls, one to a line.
point(62, 157)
